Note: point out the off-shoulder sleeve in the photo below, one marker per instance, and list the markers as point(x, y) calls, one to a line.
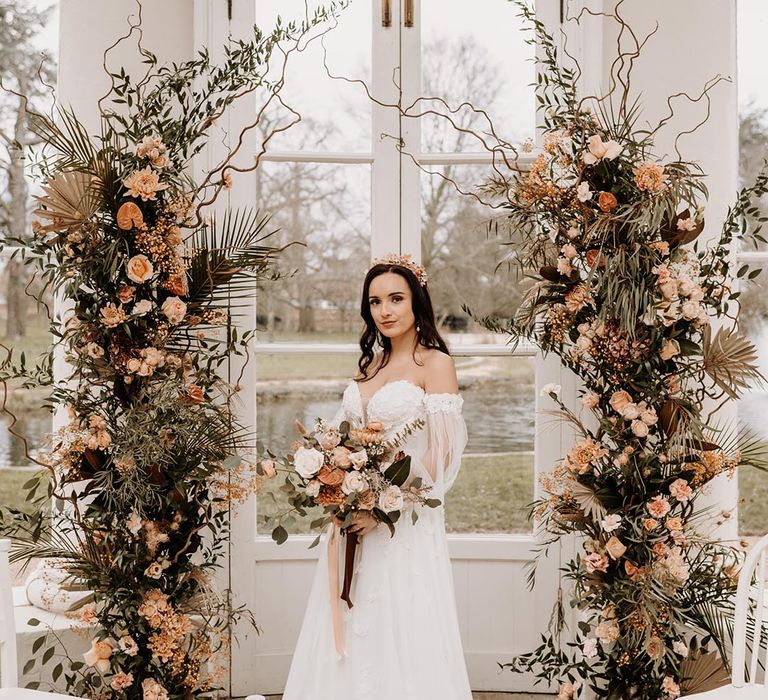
point(446, 439)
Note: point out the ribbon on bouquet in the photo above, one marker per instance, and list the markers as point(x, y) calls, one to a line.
point(334, 544)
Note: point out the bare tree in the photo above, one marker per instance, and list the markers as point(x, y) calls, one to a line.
point(21, 68)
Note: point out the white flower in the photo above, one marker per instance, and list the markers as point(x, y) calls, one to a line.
point(313, 488)
point(354, 482)
point(611, 522)
point(589, 649)
point(599, 150)
point(95, 350)
point(690, 310)
point(133, 523)
point(128, 645)
point(630, 411)
point(358, 459)
point(142, 307)
point(174, 309)
point(391, 499)
point(583, 193)
point(551, 388)
point(98, 655)
point(307, 461)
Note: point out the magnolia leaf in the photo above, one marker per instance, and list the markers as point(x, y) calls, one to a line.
point(588, 501)
point(702, 673)
point(730, 360)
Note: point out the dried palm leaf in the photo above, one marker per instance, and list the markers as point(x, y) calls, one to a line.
point(588, 501)
point(730, 360)
point(70, 199)
point(703, 672)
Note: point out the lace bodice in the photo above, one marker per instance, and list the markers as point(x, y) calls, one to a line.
point(395, 404)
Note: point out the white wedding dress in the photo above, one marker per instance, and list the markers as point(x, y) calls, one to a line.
point(401, 637)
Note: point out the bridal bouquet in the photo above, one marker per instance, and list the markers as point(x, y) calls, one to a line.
point(345, 470)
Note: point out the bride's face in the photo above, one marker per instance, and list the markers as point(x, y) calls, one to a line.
point(389, 299)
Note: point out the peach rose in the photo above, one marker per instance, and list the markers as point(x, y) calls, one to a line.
point(391, 499)
point(268, 467)
point(615, 548)
point(330, 439)
point(674, 524)
point(607, 201)
point(595, 562)
point(98, 655)
point(650, 524)
point(174, 309)
point(590, 400)
point(139, 269)
point(639, 429)
point(340, 458)
point(619, 399)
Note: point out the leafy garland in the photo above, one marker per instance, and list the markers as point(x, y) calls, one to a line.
point(625, 296)
point(153, 455)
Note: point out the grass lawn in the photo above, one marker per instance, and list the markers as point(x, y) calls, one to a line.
point(11, 481)
point(753, 501)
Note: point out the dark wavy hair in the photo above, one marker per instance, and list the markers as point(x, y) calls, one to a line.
point(427, 334)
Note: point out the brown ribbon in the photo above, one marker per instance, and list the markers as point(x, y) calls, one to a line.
point(349, 566)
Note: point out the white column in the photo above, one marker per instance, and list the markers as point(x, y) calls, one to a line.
point(695, 42)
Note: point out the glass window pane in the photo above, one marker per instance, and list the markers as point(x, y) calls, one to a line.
point(336, 114)
point(495, 484)
point(328, 208)
point(753, 407)
point(463, 256)
point(496, 481)
point(294, 387)
point(476, 52)
point(752, 21)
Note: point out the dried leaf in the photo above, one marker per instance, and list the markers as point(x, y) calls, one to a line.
point(70, 199)
point(702, 673)
point(588, 501)
point(730, 360)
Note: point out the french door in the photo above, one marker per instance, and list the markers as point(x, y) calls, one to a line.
point(355, 179)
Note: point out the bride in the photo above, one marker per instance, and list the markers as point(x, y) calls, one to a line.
point(400, 640)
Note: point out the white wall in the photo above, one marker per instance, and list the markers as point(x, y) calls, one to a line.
point(88, 27)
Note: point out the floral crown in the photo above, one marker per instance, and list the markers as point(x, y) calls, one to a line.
point(404, 261)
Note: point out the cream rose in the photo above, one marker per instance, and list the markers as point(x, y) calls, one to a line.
point(340, 457)
point(174, 309)
point(630, 412)
point(139, 269)
point(619, 399)
point(391, 499)
point(359, 459)
point(152, 690)
point(639, 429)
point(313, 488)
point(142, 307)
point(354, 482)
point(128, 645)
point(590, 400)
point(330, 439)
point(307, 461)
point(98, 655)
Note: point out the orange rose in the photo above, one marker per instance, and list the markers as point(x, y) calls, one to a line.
point(607, 201)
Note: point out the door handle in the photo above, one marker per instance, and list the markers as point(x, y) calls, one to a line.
point(386, 13)
point(408, 13)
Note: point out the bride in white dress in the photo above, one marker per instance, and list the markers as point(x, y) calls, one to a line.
point(400, 640)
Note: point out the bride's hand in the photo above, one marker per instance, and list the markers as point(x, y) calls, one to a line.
point(362, 523)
